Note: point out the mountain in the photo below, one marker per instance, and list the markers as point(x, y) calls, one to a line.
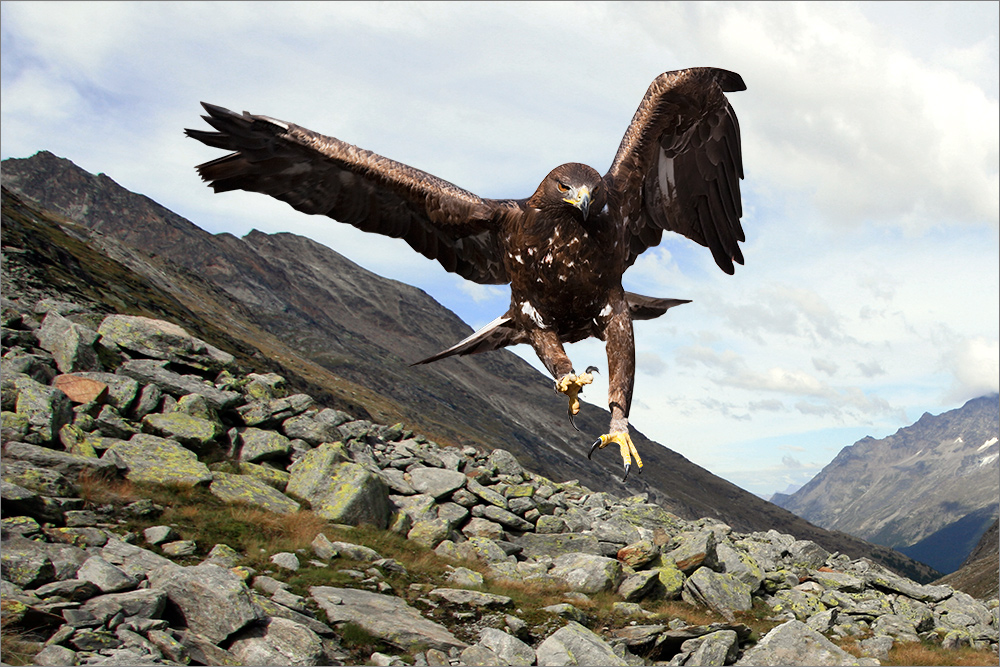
point(929, 490)
point(978, 574)
point(285, 303)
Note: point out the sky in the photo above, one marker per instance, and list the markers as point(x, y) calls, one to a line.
point(870, 145)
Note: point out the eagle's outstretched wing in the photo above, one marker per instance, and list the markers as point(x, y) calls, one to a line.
point(679, 166)
point(323, 175)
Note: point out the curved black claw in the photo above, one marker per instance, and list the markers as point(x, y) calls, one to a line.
point(593, 448)
point(572, 422)
point(591, 369)
point(628, 468)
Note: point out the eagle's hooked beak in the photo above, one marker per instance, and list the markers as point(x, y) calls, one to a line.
point(581, 199)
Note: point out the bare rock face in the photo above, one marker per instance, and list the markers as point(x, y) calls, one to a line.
point(279, 641)
point(576, 645)
point(795, 643)
point(387, 617)
point(214, 601)
point(157, 339)
point(587, 573)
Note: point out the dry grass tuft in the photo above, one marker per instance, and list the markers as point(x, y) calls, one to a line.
point(920, 653)
point(18, 648)
point(99, 490)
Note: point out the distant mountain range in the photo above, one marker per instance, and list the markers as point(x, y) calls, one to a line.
point(930, 490)
point(284, 303)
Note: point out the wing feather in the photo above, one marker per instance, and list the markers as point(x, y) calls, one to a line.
point(682, 154)
point(322, 175)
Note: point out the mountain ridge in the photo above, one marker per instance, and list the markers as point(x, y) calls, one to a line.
point(275, 293)
point(930, 489)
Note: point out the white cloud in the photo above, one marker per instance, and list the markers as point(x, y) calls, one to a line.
point(975, 366)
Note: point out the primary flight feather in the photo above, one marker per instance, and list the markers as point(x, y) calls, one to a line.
point(563, 249)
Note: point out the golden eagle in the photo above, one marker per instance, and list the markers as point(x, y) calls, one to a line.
point(563, 249)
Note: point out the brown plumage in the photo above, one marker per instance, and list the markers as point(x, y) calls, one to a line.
point(563, 249)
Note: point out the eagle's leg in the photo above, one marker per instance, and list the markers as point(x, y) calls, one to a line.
point(550, 350)
point(620, 346)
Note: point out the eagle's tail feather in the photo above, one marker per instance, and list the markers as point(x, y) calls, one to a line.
point(649, 307)
point(497, 334)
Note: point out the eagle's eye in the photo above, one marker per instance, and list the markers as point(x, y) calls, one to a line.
point(562, 186)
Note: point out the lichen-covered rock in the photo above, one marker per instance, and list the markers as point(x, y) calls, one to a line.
point(148, 458)
point(694, 550)
point(638, 585)
point(506, 518)
point(144, 603)
point(47, 409)
point(799, 604)
point(340, 492)
point(315, 427)
point(194, 433)
point(806, 554)
point(251, 491)
point(67, 464)
point(271, 476)
point(587, 573)
point(71, 344)
point(574, 644)
point(671, 578)
point(557, 544)
point(151, 371)
point(715, 648)
point(723, 593)
point(265, 386)
point(263, 445)
point(840, 581)
point(26, 565)
point(638, 554)
point(273, 412)
point(107, 577)
point(40, 480)
point(429, 532)
point(739, 564)
point(158, 339)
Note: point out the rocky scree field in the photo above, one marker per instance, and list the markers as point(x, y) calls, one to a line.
point(162, 507)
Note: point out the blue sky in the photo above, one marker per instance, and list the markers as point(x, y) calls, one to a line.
point(870, 135)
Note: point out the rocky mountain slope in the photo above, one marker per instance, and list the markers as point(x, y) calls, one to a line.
point(284, 303)
point(978, 574)
point(130, 447)
point(929, 490)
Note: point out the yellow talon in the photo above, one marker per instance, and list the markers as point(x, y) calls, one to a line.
point(571, 385)
point(627, 449)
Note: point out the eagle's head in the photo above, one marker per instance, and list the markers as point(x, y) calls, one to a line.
point(574, 187)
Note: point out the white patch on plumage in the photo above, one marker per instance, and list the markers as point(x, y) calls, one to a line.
point(548, 258)
point(605, 311)
point(518, 259)
point(530, 311)
point(665, 175)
